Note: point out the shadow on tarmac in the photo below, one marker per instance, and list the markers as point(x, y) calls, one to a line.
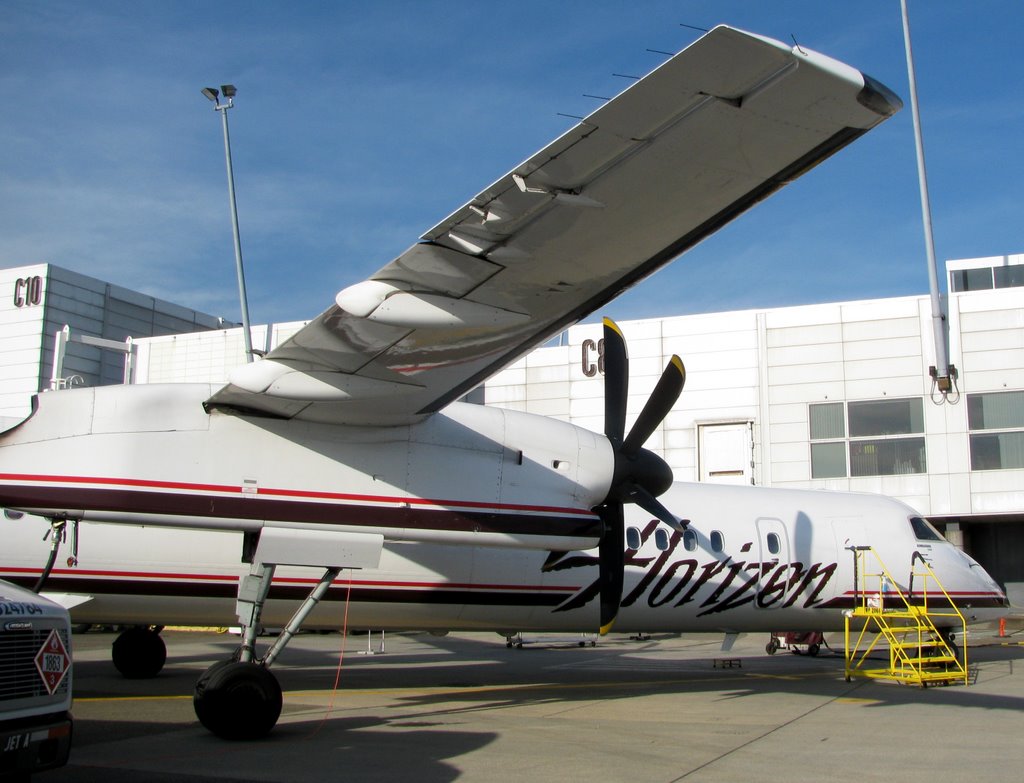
point(434, 693)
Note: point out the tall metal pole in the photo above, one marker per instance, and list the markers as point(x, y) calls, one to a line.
point(229, 93)
point(942, 370)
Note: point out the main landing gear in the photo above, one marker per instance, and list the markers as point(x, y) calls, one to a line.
point(139, 653)
point(240, 699)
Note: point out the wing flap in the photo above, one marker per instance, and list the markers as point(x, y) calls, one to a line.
point(715, 129)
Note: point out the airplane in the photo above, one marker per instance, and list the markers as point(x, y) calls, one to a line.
point(348, 443)
point(750, 559)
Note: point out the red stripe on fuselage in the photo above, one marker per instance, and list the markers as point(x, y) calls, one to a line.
point(145, 497)
point(282, 492)
point(137, 576)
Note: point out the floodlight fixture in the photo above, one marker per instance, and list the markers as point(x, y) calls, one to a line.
point(228, 90)
point(211, 93)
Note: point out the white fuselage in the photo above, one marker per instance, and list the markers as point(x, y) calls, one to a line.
point(164, 576)
point(486, 515)
point(469, 475)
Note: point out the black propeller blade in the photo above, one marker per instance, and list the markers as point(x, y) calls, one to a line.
point(639, 475)
point(612, 557)
point(658, 405)
point(616, 382)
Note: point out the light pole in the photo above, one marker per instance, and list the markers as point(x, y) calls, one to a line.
point(943, 373)
point(229, 91)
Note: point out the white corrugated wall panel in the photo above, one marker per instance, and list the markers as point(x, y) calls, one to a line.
point(810, 373)
point(547, 374)
point(499, 395)
point(883, 370)
point(805, 335)
point(547, 391)
point(548, 357)
point(807, 392)
point(992, 340)
point(855, 350)
point(981, 380)
point(1007, 359)
point(556, 407)
point(874, 388)
point(991, 320)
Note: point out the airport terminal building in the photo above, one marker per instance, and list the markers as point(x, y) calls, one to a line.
point(830, 396)
point(101, 319)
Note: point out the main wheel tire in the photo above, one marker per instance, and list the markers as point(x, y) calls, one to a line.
point(139, 653)
point(238, 701)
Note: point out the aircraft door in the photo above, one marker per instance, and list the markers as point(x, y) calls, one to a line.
point(774, 550)
point(847, 532)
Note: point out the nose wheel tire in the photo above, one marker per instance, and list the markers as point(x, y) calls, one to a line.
point(237, 700)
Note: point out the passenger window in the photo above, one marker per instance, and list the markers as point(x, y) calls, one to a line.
point(689, 541)
point(717, 541)
point(632, 538)
point(773, 543)
point(661, 539)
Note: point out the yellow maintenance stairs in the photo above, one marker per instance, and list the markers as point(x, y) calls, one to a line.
point(919, 653)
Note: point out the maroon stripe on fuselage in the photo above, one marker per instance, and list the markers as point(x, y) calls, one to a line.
point(934, 603)
point(437, 594)
point(257, 508)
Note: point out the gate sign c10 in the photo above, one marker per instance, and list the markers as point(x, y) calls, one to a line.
point(28, 291)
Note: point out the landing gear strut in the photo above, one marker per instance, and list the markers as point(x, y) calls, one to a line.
point(240, 699)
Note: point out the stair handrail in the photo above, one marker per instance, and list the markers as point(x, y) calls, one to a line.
point(862, 596)
point(938, 582)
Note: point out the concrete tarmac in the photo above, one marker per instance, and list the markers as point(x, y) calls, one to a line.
point(465, 707)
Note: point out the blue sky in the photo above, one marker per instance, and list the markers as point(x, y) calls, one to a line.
point(360, 125)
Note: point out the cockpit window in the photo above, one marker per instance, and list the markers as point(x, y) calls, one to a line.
point(924, 531)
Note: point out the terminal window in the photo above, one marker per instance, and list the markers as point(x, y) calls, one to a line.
point(996, 422)
point(972, 279)
point(1009, 276)
point(985, 278)
point(867, 438)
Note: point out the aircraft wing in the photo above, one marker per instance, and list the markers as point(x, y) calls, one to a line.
point(673, 158)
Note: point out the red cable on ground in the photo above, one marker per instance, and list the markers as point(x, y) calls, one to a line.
point(341, 658)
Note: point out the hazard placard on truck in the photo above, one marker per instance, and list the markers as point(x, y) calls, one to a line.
point(35, 682)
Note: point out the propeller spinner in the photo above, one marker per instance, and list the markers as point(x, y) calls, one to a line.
point(639, 475)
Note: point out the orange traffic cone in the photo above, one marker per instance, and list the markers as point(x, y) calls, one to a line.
point(1002, 626)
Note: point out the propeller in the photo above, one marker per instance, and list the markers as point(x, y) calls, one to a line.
point(639, 475)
